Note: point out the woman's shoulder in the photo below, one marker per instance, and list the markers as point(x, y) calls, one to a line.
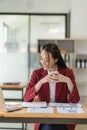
point(38, 71)
point(66, 70)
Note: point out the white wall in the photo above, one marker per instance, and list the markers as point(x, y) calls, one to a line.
point(13, 67)
point(36, 6)
point(78, 11)
point(79, 18)
point(78, 31)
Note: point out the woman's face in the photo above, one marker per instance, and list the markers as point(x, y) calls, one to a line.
point(47, 61)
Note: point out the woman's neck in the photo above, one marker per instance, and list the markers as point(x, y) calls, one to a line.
point(53, 69)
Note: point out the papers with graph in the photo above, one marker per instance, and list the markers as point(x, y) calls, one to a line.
point(65, 104)
point(34, 104)
point(37, 107)
point(41, 107)
point(40, 110)
point(73, 108)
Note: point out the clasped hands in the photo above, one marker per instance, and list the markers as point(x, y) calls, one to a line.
point(55, 77)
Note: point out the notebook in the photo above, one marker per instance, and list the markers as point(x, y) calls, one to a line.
point(4, 107)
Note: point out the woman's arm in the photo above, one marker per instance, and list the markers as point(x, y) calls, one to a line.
point(73, 95)
point(68, 77)
point(34, 86)
point(30, 91)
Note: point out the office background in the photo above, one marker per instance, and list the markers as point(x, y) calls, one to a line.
point(28, 31)
point(14, 63)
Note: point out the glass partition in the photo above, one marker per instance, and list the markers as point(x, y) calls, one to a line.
point(13, 48)
point(44, 27)
point(19, 36)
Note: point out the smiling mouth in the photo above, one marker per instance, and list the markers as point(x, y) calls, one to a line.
point(45, 66)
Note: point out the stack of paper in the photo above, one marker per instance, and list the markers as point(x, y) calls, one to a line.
point(40, 110)
point(67, 107)
point(72, 110)
point(34, 104)
point(65, 104)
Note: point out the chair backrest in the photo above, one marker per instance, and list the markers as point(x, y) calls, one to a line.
point(36, 99)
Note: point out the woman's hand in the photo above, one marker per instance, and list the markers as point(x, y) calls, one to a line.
point(42, 81)
point(45, 79)
point(57, 77)
point(62, 78)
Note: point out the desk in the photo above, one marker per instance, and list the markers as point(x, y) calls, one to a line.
point(14, 88)
point(20, 88)
point(51, 118)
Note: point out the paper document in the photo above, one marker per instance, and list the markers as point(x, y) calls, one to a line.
point(65, 104)
point(40, 110)
point(34, 104)
point(70, 110)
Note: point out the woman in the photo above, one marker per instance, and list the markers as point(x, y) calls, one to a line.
point(54, 82)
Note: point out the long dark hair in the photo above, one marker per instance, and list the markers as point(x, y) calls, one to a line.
point(55, 52)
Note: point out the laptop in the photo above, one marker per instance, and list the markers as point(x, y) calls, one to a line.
point(4, 107)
